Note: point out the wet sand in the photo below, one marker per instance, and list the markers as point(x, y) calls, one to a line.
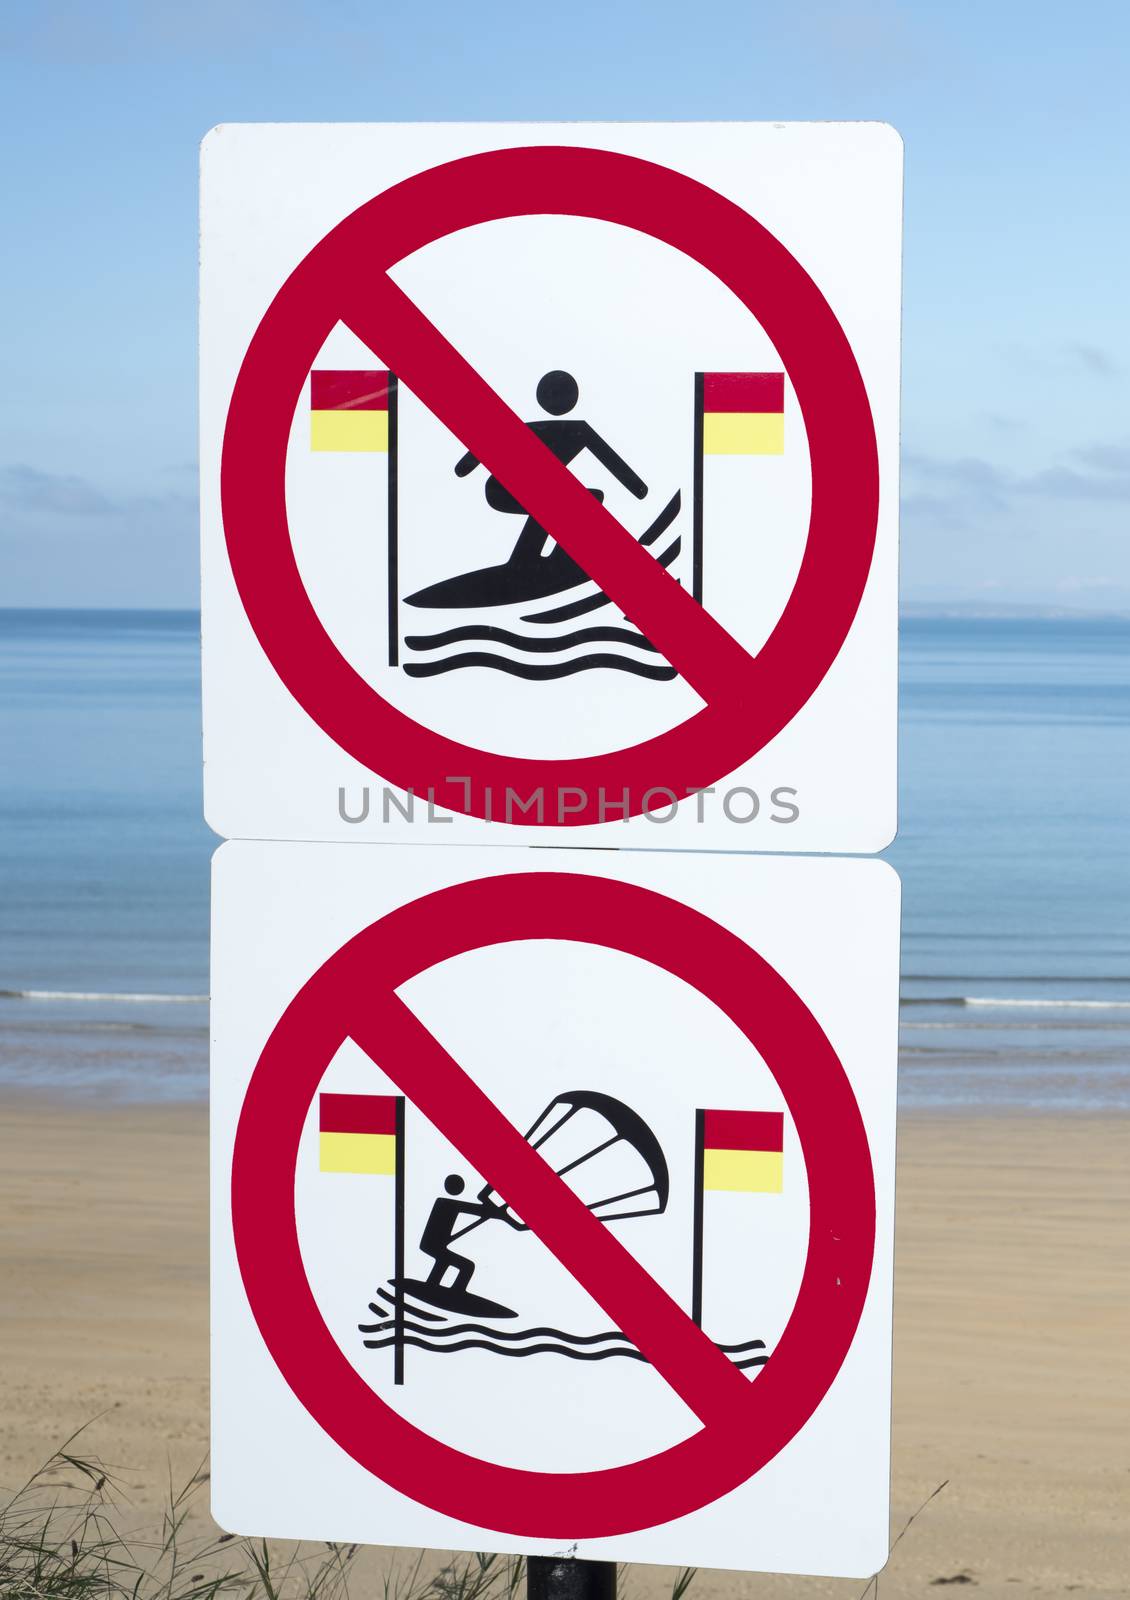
point(1012, 1311)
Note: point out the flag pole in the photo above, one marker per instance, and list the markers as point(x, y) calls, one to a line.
point(393, 522)
point(398, 1248)
point(696, 1248)
point(699, 470)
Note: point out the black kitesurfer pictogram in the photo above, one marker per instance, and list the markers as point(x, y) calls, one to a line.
point(440, 1231)
point(611, 1158)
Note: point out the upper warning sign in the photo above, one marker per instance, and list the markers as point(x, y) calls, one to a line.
point(549, 483)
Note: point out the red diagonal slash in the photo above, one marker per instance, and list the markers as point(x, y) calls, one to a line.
point(397, 331)
point(414, 1059)
point(355, 992)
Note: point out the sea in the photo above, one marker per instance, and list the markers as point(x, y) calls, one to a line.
point(1013, 850)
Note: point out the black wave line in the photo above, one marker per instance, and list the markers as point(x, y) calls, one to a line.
point(527, 669)
point(386, 1325)
point(533, 1333)
point(632, 1354)
point(456, 1329)
point(593, 602)
point(565, 641)
point(629, 1353)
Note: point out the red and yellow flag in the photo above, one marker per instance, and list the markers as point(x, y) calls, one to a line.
point(359, 1133)
point(743, 413)
point(349, 410)
point(742, 1150)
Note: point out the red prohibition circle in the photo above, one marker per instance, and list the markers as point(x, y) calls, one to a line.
point(751, 1421)
point(748, 700)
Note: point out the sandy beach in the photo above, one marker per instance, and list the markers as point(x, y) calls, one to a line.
point(1012, 1303)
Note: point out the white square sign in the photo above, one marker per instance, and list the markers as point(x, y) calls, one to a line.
point(549, 480)
point(552, 1206)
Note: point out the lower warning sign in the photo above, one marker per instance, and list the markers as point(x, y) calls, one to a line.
point(552, 1209)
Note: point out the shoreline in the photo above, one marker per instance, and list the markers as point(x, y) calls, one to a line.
point(1030, 1044)
point(93, 1101)
point(1012, 1293)
point(969, 1056)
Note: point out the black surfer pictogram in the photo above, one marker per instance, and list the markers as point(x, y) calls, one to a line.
point(515, 613)
point(536, 566)
point(539, 569)
point(610, 1158)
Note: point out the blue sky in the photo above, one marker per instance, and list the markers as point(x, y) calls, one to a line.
point(1016, 423)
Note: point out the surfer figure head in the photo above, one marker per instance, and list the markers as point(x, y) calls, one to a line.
point(557, 393)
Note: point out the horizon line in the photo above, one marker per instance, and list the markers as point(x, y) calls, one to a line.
point(909, 611)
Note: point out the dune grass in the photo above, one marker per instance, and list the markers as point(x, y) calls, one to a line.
point(63, 1537)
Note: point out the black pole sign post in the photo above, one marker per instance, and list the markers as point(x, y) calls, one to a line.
point(548, 1578)
point(393, 521)
point(398, 1252)
point(699, 1185)
point(699, 473)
